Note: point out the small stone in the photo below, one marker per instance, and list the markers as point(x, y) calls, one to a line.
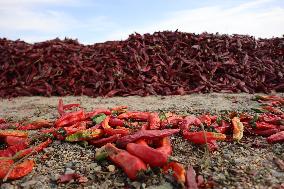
point(7, 186)
point(54, 177)
point(111, 168)
point(98, 168)
point(69, 171)
point(69, 164)
point(29, 183)
point(136, 185)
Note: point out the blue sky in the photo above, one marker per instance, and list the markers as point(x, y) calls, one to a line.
point(102, 20)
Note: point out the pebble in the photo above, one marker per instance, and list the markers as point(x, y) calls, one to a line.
point(111, 168)
point(69, 171)
point(69, 165)
point(7, 186)
point(29, 183)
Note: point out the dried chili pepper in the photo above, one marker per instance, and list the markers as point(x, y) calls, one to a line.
point(84, 135)
point(96, 112)
point(188, 121)
point(16, 133)
point(110, 131)
point(60, 108)
point(205, 119)
point(154, 121)
point(116, 122)
point(2, 120)
point(32, 150)
point(102, 141)
point(20, 170)
point(223, 127)
point(178, 171)
point(265, 132)
point(70, 118)
point(201, 137)
point(191, 178)
point(154, 157)
point(146, 134)
point(12, 140)
point(141, 116)
point(212, 145)
point(131, 164)
point(263, 125)
point(238, 129)
point(12, 150)
point(36, 125)
point(165, 146)
point(277, 137)
point(272, 109)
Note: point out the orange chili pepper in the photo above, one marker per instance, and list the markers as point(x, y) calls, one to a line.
point(178, 171)
point(238, 129)
point(16, 133)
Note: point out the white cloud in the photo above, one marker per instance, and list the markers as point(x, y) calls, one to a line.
point(251, 18)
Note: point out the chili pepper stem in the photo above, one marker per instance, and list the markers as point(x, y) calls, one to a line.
point(206, 155)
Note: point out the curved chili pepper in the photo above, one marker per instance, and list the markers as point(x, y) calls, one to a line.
point(110, 131)
point(96, 112)
point(60, 108)
point(11, 140)
point(272, 109)
point(205, 119)
point(191, 178)
point(84, 135)
point(178, 171)
point(165, 146)
point(36, 125)
point(263, 125)
point(277, 137)
point(70, 118)
point(32, 150)
point(223, 127)
point(20, 170)
point(103, 141)
point(141, 116)
point(154, 121)
point(146, 134)
point(188, 121)
point(12, 150)
point(271, 118)
point(238, 129)
point(70, 106)
point(201, 137)
point(119, 109)
point(131, 164)
point(212, 145)
point(266, 132)
point(16, 133)
point(116, 122)
point(151, 156)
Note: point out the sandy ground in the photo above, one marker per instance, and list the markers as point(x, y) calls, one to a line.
point(247, 164)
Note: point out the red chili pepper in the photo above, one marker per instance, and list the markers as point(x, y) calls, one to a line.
point(272, 109)
point(146, 134)
point(103, 141)
point(154, 121)
point(191, 178)
point(2, 120)
point(16, 133)
point(271, 118)
point(12, 150)
point(4, 126)
point(36, 125)
point(20, 170)
point(141, 116)
point(263, 125)
point(201, 137)
point(32, 150)
point(266, 132)
point(131, 165)
point(119, 109)
point(70, 106)
point(70, 118)
point(165, 146)
point(267, 98)
point(96, 112)
point(110, 131)
point(277, 137)
point(223, 128)
point(60, 108)
point(116, 122)
point(205, 119)
point(151, 156)
point(188, 121)
point(212, 145)
point(178, 171)
point(11, 140)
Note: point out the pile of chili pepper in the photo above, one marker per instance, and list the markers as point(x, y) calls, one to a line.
point(136, 141)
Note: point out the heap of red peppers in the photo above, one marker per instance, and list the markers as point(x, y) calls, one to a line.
point(125, 137)
point(162, 63)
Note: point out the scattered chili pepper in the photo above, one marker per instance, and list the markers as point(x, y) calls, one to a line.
point(12, 150)
point(21, 169)
point(238, 129)
point(36, 125)
point(96, 112)
point(277, 137)
point(266, 132)
point(201, 137)
point(116, 122)
point(165, 146)
point(16, 133)
point(205, 119)
point(70, 118)
point(212, 145)
point(32, 150)
point(272, 109)
point(84, 135)
point(12, 140)
point(224, 127)
point(154, 157)
point(141, 116)
point(191, 178)
point(146, 134)
point(154, 121)
point(2, 120)
point(102, 141)
point(178, 171)
point(188, 121)
point(131, 164)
